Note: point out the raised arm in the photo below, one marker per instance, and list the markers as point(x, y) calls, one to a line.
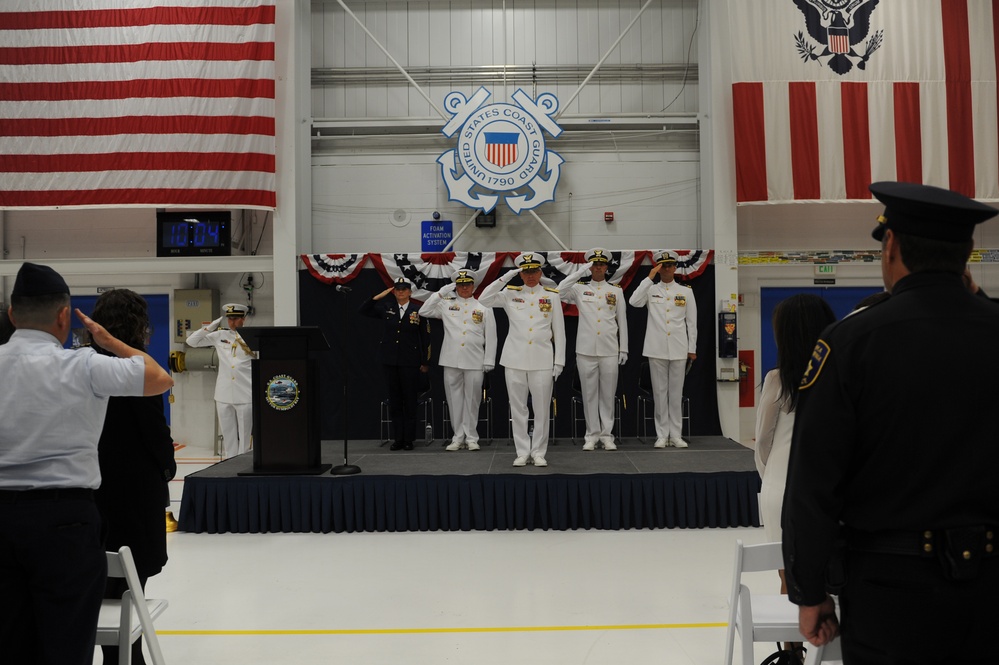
point(155, 381)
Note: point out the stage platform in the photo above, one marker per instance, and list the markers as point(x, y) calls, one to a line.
point(713, 483)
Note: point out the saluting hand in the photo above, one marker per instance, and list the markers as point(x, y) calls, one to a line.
point(384, 293)
point(655, 271)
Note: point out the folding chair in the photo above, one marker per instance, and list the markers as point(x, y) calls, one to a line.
point(758, 617)
point(828, 653)
point(123, 621)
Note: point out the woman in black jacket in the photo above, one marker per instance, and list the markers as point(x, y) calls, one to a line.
point(136, 459)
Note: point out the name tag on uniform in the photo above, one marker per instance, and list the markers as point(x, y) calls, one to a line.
point(454, 308)
point(519, 301)
point(588, 294)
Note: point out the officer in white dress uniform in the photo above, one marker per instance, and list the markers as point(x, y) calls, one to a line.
point(469, 349)
point(670, 342)
point(534, 352)
point(233, 402)
point(601, 343)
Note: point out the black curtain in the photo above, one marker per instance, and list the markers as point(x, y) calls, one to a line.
point(354, 344)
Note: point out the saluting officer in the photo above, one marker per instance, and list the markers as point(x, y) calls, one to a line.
point(903, 454)
point(233, 399)
point(601, 343)
point(534, 352)
point(469, 349)
point(670, 343)
point(405, 352)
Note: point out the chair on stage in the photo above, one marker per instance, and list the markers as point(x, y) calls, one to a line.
point(424, 405)
point(758, 617)
point(646, 407)
point(578, 416)
point(552, 412)
point(123, 621)
point(485, 423)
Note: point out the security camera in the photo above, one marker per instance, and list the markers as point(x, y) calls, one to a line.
point(436, 215)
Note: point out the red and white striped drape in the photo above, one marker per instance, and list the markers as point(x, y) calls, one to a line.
point(918, 103)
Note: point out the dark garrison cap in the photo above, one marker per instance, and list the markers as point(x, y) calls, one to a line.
point(928, 212)
point(38, 280)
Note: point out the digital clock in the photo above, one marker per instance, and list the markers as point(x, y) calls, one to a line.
point(193, 233)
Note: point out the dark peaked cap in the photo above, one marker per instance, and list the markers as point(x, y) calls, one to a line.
point(928, 212)
point(37, 280)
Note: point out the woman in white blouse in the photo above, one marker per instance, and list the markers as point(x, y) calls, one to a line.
point(797, 323)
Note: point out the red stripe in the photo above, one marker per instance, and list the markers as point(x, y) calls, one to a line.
point(804, 140)
point(908, 137)
point(856, 140)
point(138, 161)
point(110, 18)
point(750, 142)
point(109, 197)
point(145, 88)
point(108, 53)
point(139, 124)
point(957, 65)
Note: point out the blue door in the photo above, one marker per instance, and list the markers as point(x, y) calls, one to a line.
point(159, 321)
point(842, 299)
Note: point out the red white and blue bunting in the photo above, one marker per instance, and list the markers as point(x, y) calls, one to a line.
point(430, 271)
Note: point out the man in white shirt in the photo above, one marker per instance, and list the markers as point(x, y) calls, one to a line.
point(534, 352)
point(233, 399)
point(469, 349)
point(670, 343)
point(52, 563)
point(601, 343)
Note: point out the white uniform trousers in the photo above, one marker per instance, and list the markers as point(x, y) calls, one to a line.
point(236, 422)
point(538, 383)
point(463, 390)
point(667, 392)
point(598, 383)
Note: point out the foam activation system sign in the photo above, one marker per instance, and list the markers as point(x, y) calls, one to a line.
point(435, 236)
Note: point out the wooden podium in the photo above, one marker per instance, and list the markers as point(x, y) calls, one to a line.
point(286, 400)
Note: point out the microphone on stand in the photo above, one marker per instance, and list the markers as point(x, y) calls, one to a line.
point(343, 289)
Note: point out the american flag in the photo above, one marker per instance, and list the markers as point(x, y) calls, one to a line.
point(501, 148)
point(921, 108)
point(137, 103)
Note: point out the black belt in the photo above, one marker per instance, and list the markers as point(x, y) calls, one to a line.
point(55, 494)
point(960, 550)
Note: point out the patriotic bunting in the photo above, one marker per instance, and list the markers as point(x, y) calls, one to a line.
point(430, 271)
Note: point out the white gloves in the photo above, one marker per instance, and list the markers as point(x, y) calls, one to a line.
point(487, 368)
point(622, 358)
point(214, 325)
point(556, 371)
point(447, 288)
point(508, 276)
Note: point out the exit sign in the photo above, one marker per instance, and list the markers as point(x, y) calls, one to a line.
point(825, 270)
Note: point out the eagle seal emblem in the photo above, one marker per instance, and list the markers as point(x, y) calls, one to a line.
point(839, 27)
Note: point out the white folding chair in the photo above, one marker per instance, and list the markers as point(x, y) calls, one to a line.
point(758, 617)
point(123, 621)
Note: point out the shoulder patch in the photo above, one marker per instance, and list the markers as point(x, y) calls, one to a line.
point(815, 364)
point(514, 288)
point(553, 290)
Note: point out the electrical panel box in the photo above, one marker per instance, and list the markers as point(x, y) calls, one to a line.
point(193, 308)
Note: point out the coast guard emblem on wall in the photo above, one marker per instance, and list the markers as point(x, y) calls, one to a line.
point(838, 26)
point(501, 152)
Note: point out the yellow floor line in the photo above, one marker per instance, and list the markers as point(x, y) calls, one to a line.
point(411, 631)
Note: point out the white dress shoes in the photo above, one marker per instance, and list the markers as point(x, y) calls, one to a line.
point(520, 461)
point(540, 461)
point(472, 445)
point(660, 443)
point(677, 442)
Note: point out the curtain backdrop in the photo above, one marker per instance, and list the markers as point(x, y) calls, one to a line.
point(826, 103)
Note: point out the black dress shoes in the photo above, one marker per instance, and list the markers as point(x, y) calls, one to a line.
point(408, 446)
point(399, 445)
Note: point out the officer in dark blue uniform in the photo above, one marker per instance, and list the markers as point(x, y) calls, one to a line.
point(405, 352)
point(896, 452)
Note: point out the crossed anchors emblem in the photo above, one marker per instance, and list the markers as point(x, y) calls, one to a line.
point(501, 149)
